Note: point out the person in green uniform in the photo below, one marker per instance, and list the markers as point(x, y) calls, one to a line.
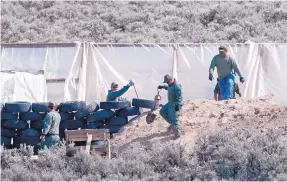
point(170, 111)
point(115, 95)
point(50, 133)
point(235, 90)
point(225, 64)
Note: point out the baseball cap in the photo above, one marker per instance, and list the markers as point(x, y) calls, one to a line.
point(114, 85)
point(167, 78)
point(51, 105)
point(222, 48)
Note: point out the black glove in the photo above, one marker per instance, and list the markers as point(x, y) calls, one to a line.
point(210, 77)
point(162, 87)
point(242, 80)
point(177, 107)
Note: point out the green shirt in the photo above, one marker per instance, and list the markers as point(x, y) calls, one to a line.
point(224, 65)
point(235, 90)
point(51, 123)
point(113, 95)
point(174, 93)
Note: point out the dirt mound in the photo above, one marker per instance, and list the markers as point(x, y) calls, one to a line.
point(202, 116)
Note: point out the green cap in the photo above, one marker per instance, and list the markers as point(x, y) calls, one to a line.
point(167, 78)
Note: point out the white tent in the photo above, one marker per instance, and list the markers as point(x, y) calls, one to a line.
point(21, 86)
point(84, 71)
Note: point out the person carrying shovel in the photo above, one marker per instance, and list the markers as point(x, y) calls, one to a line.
point(115, 95)
point(170, 111)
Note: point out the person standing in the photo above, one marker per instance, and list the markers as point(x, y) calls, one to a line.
point(50, 133)
point(225, 64)
point(170, 111)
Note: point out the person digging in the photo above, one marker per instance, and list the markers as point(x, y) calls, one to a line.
point(170, 111)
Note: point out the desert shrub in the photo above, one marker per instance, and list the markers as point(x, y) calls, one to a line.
point(221, 155)
point(137, 22)
point(238, 155)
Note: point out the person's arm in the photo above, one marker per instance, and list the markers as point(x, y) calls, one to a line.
point(235, 67)
point(120, 92)
point(212, 66)
point(47, 124)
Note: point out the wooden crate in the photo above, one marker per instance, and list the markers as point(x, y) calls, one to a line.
point(88, 135)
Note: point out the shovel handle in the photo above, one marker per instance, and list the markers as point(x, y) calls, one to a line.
point(136, 91)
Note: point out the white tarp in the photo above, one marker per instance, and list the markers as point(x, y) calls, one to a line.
point(146, 65)
point(90, 68)
point(22, 87)
point(55, 60)
point(274, 70)
point(71, 91)
point(194, 62)
point(263, 66)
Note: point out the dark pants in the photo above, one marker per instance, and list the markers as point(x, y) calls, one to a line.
point(171, 116)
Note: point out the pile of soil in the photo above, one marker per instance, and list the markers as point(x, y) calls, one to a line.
point(203, 116)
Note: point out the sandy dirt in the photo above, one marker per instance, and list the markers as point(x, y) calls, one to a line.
point(202, 116)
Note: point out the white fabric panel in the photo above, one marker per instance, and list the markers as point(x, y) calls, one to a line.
point(55, 92)
point(71, 90)
point(89, 70)
point(146, 65)
point(7, 82)
point(274, 64)
point(23, 87)
point(194, 62)
point(55, 61)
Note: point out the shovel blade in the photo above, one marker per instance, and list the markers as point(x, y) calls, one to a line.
point(150, 117)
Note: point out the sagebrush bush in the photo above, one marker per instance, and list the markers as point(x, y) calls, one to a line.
point(220, 155)
point(143, 22)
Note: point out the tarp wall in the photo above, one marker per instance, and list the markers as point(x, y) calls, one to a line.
point(55, 59)
point(22, 87)
point(90, 68)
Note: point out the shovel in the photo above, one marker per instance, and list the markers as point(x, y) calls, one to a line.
point(151, 115)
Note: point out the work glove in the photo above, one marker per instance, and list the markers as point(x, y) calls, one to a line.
point(210, 77)
point(177, 107)
point(132, 82)
point(242, 80)
point(162, 87)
